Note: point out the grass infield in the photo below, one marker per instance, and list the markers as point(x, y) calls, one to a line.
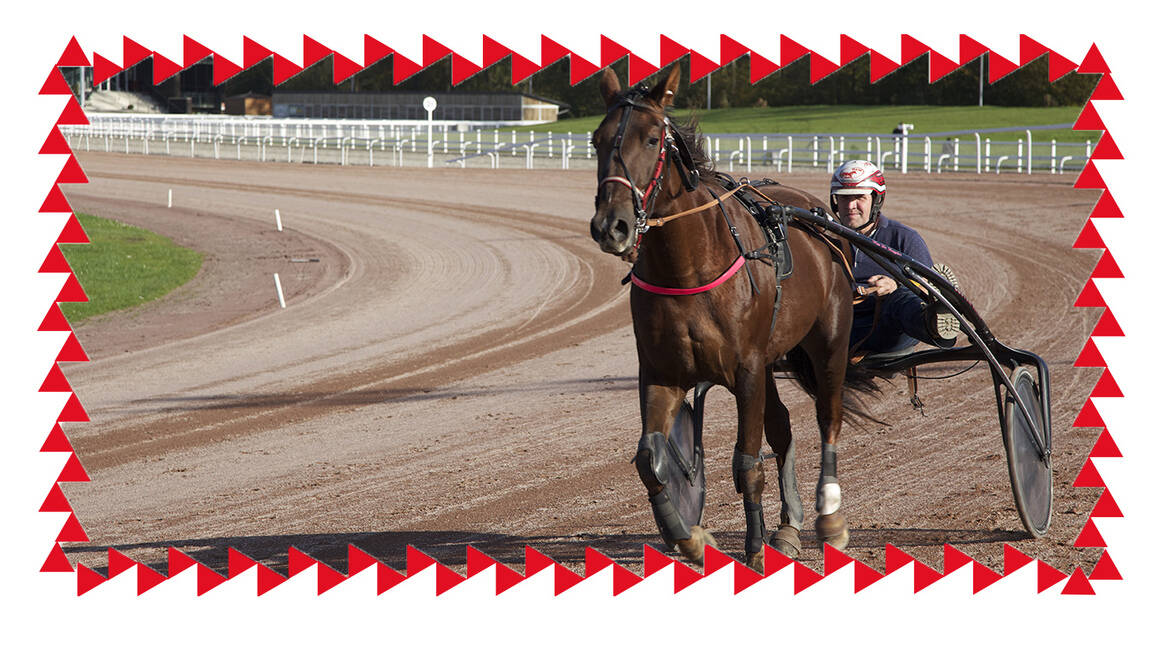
point(124, 266)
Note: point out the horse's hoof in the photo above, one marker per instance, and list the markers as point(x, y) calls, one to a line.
point(755, 561)
point(786, 539)
point(692, 548)
point(831, 530)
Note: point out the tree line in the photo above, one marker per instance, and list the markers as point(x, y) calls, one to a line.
point(730, 85)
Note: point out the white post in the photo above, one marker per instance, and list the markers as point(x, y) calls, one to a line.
point(1019, 156)
point(749, 153)
point(1029, 134)
point(279, 290)
point(977, 151)
point(170, 197)
point(926, 152)
point(1053, 156)
point(279, 226)
point(905, 150)
point(429, 104)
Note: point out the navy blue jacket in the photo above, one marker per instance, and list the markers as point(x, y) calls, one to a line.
point(892, 234)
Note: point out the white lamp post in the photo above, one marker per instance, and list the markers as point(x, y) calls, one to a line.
point(429, 105)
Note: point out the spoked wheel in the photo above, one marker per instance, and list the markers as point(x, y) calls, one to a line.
point(1028, 456)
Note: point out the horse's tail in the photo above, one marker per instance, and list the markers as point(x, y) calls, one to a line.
point(860, 384)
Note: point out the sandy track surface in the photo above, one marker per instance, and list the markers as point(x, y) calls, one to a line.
point(456, 366)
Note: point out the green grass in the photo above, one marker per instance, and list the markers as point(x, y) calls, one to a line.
point(869, 119)
point(124, 266)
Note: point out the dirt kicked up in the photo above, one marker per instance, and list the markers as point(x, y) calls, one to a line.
point(456, 366)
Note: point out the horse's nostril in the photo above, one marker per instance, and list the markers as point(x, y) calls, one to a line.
point(620, 230)
point(595, 231)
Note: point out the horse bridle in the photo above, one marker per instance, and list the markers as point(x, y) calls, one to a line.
point(643, 200)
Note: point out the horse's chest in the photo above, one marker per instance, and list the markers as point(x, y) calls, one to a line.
point(686, 345)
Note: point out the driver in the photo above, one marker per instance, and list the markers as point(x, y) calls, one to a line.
point(891, 317)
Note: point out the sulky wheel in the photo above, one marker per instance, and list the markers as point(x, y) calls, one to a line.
point(1029, 468)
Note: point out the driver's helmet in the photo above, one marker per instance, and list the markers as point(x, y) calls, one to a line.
point(859, 177)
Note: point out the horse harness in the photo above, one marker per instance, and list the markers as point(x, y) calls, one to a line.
point(772, 221)
point(766, 212)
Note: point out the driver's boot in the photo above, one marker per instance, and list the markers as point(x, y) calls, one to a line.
point(940, 322)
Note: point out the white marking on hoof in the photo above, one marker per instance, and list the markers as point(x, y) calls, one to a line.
point(828, 498)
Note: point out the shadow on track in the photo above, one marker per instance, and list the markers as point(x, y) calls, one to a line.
point(450, 547)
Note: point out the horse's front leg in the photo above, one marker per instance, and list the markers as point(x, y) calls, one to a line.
point(748, 468)
point(660, 403)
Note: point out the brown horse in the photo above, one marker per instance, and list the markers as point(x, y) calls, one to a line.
point(648, 170)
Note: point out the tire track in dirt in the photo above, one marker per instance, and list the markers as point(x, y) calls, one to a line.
point(584, 309)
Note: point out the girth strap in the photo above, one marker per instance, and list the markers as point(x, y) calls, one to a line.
point(735, 237)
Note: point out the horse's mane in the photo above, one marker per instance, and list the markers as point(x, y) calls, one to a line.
point(692, 137)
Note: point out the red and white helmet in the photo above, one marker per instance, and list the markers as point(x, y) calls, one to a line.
point(859, 177)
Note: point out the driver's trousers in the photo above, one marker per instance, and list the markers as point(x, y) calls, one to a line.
point(899, 323)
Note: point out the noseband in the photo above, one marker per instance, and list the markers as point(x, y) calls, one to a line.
point(644, 199)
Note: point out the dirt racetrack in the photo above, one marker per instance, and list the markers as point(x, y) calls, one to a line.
point(456, 366)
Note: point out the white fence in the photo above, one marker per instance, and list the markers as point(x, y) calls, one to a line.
point(398, 143)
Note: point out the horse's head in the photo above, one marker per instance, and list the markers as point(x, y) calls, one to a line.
point(632, 159)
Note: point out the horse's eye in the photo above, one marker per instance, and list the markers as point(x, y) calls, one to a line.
point(653, 141)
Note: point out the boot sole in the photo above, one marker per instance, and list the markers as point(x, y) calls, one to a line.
point(947, 326)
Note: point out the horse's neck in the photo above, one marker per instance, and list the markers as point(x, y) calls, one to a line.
point(689, 250)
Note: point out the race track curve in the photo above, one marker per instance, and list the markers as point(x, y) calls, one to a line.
point(456, 366)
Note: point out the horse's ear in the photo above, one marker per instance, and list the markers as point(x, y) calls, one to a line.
point(609, 86)
point(663, 92)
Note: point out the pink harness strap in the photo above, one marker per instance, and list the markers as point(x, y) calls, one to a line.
point(649, 287)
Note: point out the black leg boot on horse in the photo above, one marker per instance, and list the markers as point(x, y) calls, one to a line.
point(660, 405)
point(747, 467)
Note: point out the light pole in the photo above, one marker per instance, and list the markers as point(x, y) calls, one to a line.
point(981, 57)
point(429, 105)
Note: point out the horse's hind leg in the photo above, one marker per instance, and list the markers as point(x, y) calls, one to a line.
point(778, 431)
point(748, 469)
point(659, 405)
point(830, 524)
point(830, 358)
